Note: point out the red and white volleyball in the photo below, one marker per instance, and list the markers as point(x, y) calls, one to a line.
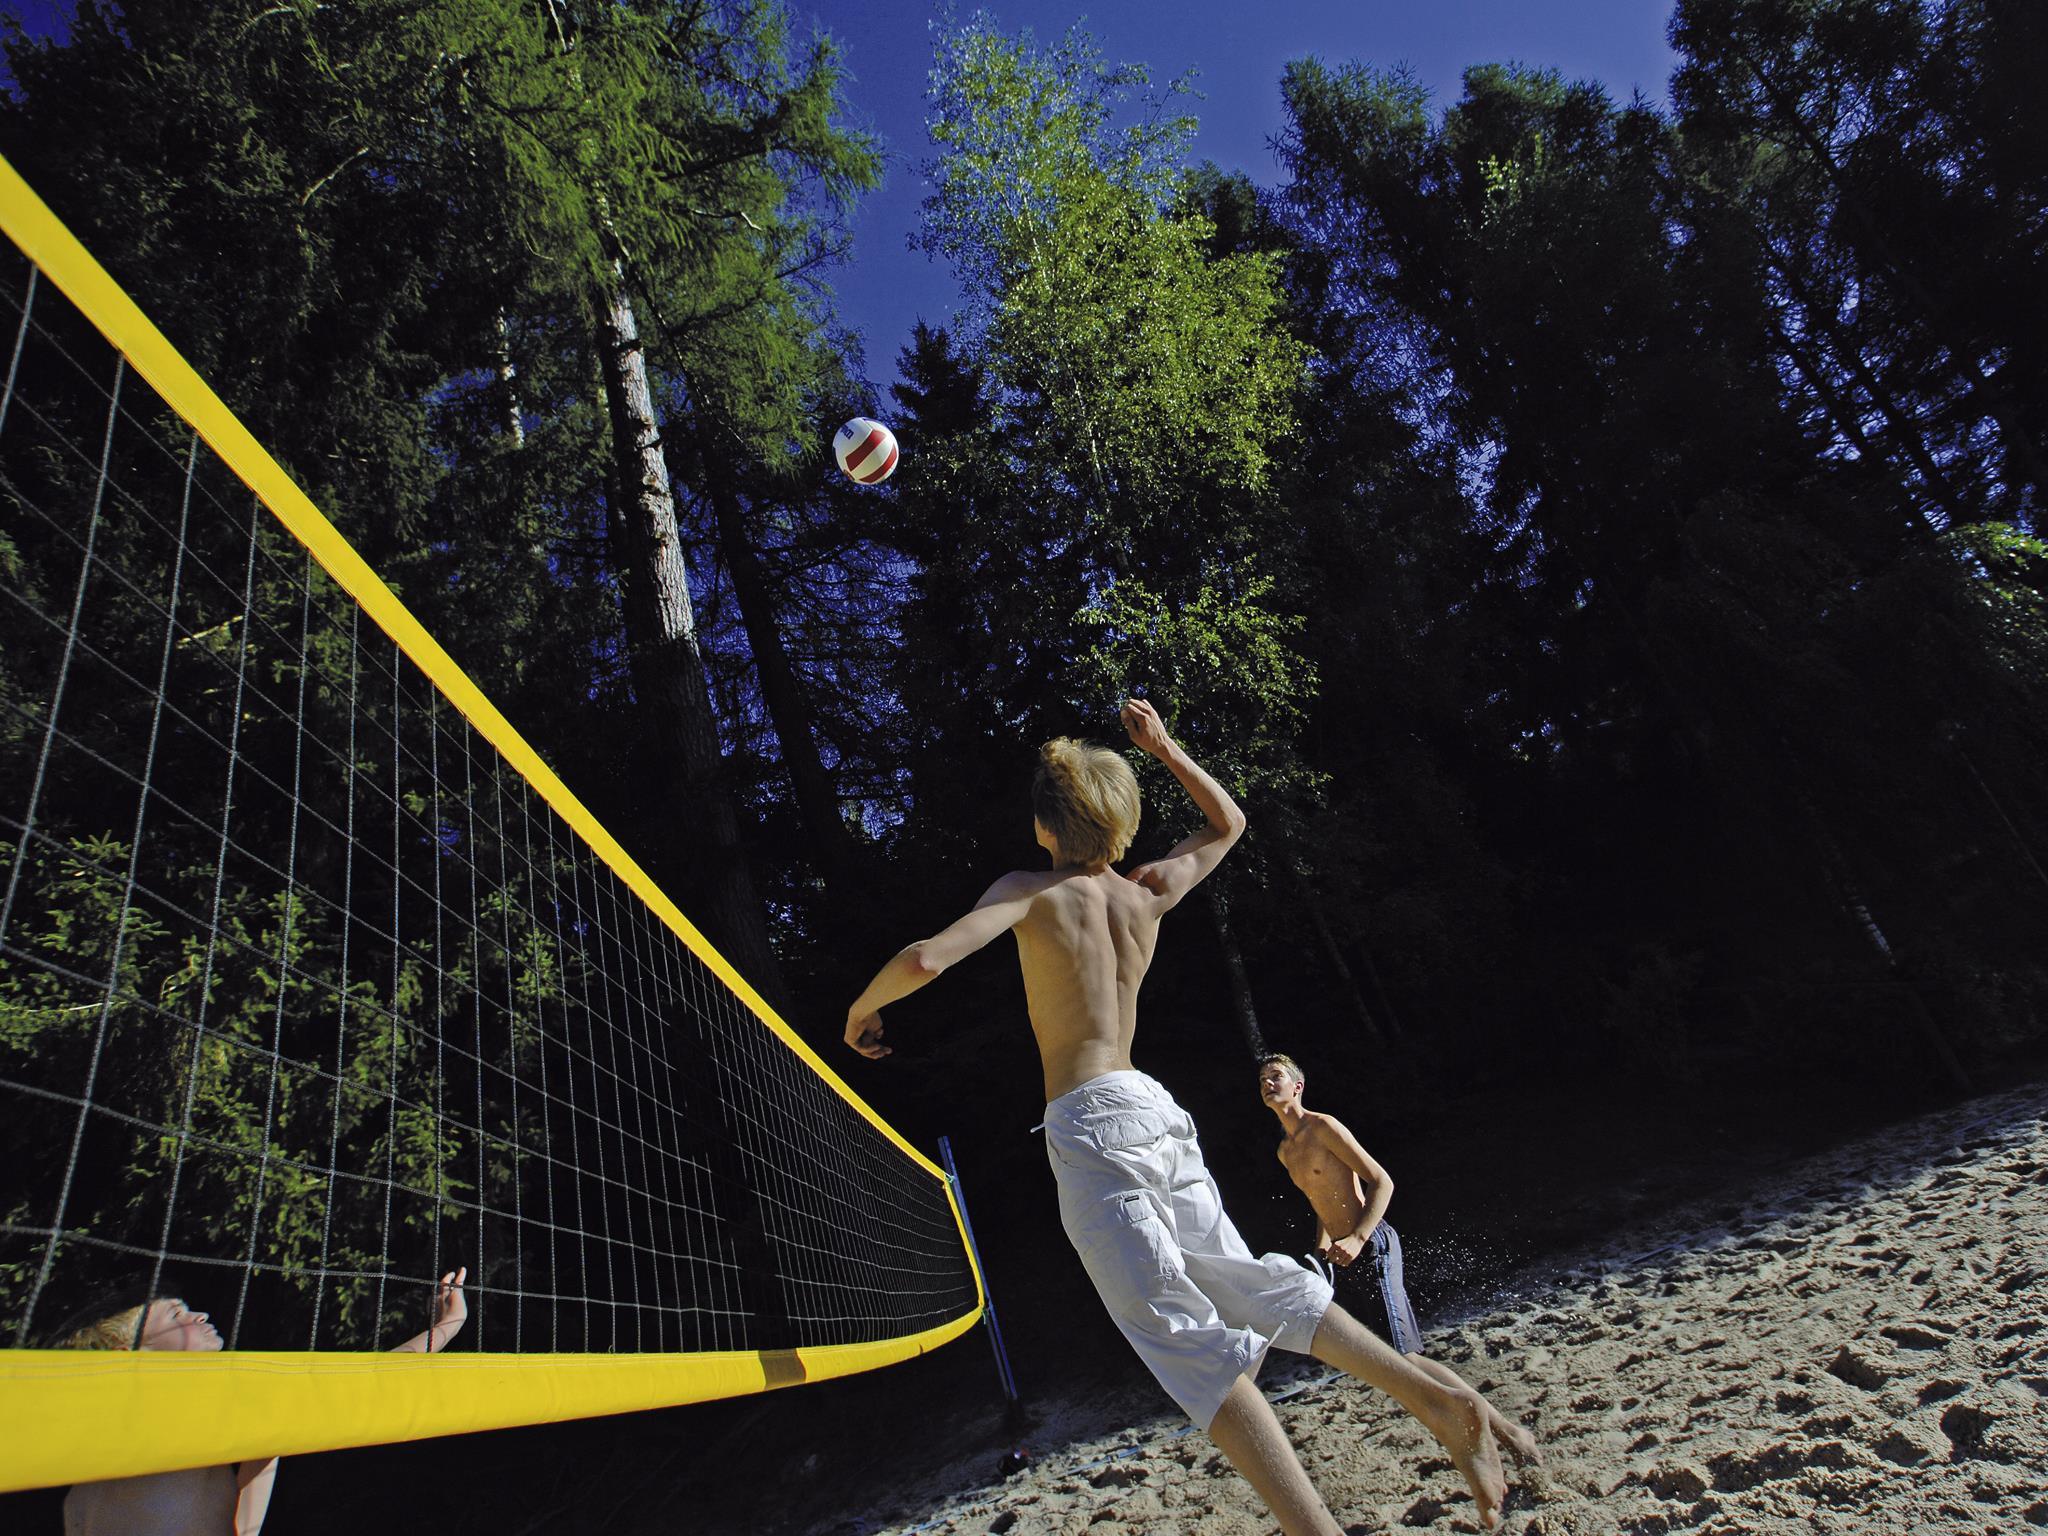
point(866, 450)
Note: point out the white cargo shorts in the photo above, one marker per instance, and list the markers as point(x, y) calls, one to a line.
point(1143, 1213)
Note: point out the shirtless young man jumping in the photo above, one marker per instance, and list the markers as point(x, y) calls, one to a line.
point(1349, 1193)
point(1135, 1199)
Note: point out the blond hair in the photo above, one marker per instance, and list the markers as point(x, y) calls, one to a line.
point(1278, 1059)
point(115, 1332)
point(1087, 797)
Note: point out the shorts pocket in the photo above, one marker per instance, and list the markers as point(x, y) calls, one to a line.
point(1127, 1130)
point(1121, 1139)
point(1128, 1252)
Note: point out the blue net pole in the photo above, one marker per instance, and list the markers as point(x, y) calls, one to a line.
point(995, 1331)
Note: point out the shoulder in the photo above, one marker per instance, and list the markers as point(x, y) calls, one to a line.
point(1017, 885)
point(1331, 1130)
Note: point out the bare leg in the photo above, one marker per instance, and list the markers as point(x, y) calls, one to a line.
point(1248, 1432)
point(1520, 1443)
point(1455, 1415)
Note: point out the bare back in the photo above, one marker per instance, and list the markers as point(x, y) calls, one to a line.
point(1084, 934)
point(1085, 944)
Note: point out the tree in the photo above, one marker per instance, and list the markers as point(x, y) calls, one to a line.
point(1896, 196)
point(1681, 560)
point(700, 128)
point(1112, 337)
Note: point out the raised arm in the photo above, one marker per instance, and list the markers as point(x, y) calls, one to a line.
point(451, 1310)
point(1190, 860)
point(254, 1481)
point(1001, 908)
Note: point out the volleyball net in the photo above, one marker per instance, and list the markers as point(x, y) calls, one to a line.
point(316, 984)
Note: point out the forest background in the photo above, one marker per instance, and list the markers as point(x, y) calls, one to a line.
point(1598, 542)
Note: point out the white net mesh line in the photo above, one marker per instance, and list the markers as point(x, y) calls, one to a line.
point(461, 1004)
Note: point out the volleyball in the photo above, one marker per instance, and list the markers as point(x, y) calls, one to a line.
point(866, 450)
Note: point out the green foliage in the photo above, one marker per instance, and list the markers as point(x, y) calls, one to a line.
point(1115, 452)
point(2009, 571)
point(84, 930)
point(1116, 339)
point(1228, 669)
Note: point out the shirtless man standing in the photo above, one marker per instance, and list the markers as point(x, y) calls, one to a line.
point(1135, 1199)
point(1349, 1193)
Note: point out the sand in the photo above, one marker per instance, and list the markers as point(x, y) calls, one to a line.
point(1857, 1345)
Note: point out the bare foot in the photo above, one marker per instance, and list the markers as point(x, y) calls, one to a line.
point(1465, 1434)
point(1518, 1441)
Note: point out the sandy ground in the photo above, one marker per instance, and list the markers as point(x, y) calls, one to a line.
point(1859, 1345)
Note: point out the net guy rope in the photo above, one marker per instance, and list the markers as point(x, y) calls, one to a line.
point(316, 984)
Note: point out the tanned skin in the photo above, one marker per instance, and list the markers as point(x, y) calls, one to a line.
point(1349, 1193)
point(1085, 934)
point(168, 1324)
point(1085, 937)
point(1347, 1190)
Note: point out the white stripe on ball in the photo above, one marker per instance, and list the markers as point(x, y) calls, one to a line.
point(866, 450)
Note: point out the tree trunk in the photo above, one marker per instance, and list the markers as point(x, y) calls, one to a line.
point(2019, 843)
point(789, 710)
point(1347, 984)
point(1242, 1007)
point(1835, 868)
point(1372, 972)
point(508, 384)
point(696, 841)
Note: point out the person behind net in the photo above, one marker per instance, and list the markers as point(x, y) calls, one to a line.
point(1349, 1192)
point(210, 1500)
point(1136, 1201)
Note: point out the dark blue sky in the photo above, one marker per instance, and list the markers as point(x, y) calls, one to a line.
point(1238, 51)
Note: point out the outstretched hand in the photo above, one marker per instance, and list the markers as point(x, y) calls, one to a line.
point(1147, 731)
point(450, 1313)
point(864, 1034)
point(450, 1310)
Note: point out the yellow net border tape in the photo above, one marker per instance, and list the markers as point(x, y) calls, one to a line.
point(81, 1415)
point(172, 1411)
